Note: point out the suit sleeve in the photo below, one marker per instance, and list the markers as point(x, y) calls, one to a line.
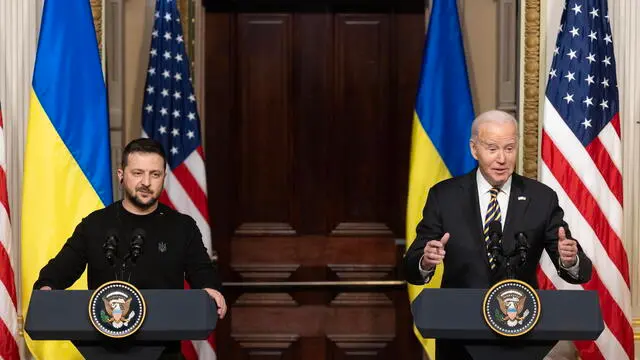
point(67, 266)
point(551, 245)
point(200, 271)
point(429, 228)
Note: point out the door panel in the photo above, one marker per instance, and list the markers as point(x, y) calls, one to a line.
point(309, 111)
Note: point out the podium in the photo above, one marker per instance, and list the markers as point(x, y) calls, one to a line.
point(456, 314)
point(172, 315)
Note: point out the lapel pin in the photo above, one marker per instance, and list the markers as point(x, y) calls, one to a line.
point(522, 198)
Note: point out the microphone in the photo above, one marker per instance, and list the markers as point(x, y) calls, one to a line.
point(522, 246)
point(110, 246)
point(495, 234)
point(137, 242)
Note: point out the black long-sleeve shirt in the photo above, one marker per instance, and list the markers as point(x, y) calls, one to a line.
point(172, 251)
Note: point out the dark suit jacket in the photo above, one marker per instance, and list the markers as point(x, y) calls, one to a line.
point(452, 206)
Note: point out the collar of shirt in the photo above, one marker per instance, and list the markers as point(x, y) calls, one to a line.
point(484, 186)
point(484, 197)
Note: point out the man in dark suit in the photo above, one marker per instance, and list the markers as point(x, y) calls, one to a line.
point(455, 223)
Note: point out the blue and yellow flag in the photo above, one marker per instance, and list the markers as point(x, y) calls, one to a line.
point(67, 166)
point(441, 123)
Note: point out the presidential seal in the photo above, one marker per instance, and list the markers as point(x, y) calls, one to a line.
point(511, 308)
point(117, 309)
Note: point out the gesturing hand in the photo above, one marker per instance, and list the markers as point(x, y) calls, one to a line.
point(434, 252)
point(568, 249)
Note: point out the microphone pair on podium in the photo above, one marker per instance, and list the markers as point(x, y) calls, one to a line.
point(110, 248)
point(503, 253)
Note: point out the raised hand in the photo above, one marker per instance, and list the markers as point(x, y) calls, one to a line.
point(434, 252)
point(568, 249)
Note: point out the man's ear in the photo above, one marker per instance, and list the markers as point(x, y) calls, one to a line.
point(472, 148)
point(120, 174)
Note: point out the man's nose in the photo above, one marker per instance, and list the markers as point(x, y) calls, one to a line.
point(146, 179)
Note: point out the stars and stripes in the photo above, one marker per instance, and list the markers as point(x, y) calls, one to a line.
point(9, 340)
point(582, 161)
point(170, 116)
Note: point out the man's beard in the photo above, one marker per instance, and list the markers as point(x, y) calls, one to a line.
point(133, 198)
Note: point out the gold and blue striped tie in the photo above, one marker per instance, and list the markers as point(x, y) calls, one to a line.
point(493, 213)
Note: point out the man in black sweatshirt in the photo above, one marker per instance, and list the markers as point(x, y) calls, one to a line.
point(172, 250)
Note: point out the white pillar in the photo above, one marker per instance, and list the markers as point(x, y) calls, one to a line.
point(19, 24)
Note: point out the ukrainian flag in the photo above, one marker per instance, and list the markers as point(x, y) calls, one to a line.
point(67, 166)
point(441, 123)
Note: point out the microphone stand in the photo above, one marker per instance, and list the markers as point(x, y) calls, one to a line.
point(124, 266)
point(135, 250)
point(110, 248)
point(509, 267)
point(520, 251)
point(496, 251)
point(495, 246)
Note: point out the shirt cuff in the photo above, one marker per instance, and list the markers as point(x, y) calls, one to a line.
point(573, 270)
point(426, 274)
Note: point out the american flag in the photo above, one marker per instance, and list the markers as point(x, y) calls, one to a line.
point(582, 162)
point(170, 116)
point(9, 340)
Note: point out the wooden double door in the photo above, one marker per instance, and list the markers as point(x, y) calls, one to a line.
point(309, 107)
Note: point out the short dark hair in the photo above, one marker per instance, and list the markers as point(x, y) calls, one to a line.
point(143, 145)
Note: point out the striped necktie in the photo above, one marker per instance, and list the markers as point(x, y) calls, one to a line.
point(493, 213)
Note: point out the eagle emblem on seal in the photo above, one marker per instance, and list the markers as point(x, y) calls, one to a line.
point(511, 304)
point(117, 309)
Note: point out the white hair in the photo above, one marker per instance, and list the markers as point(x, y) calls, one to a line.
point(491, 116)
